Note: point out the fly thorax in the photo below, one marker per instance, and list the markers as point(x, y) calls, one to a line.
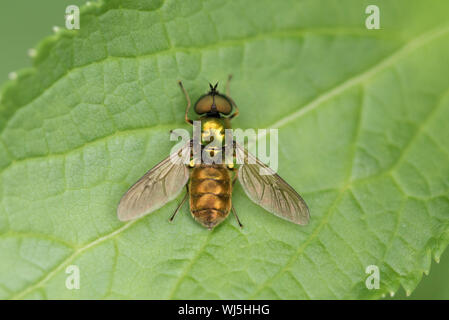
point(212, 138)
point(212, 130)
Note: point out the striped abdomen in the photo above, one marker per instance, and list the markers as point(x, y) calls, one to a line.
point(210, 194)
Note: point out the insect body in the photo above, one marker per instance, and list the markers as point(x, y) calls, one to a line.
point(210, 184)
point(210, 194)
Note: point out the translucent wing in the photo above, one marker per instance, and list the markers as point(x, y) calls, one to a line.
point(158, 186)
point(269, 190)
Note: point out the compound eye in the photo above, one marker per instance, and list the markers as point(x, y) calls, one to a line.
point(223, 105)
point(204, 104)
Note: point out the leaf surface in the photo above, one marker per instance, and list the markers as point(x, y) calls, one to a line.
point(362, 118)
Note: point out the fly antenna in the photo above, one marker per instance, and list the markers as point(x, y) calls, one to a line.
point(213, 88)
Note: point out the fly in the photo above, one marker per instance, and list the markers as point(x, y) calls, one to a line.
point(209, 185)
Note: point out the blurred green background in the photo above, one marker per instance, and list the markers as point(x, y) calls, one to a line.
point(23, 23)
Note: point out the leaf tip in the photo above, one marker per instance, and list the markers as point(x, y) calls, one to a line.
point(32, 52)
point(12, 75)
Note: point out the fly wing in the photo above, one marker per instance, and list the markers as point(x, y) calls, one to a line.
point(269, 190)
point(158, 186)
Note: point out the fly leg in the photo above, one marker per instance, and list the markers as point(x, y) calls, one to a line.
point(186, 117)
point(228, 95)
point(180, 205)
point(236, 217)
point(228, 91)
point(232, 206)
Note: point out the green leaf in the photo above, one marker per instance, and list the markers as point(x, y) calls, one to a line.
point(362, 117)
point(433, 286)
